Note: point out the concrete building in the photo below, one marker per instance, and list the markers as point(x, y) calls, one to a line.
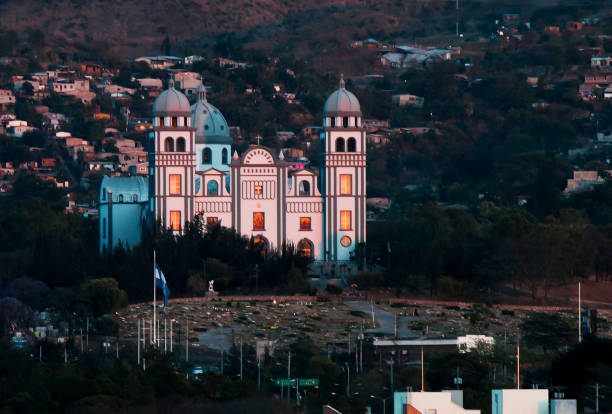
point(519, 401)
point(408, 99)
point(563, 407)
point(443, 402)
point(405, 350)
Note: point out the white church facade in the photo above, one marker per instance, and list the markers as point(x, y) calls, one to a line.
point(192, 171)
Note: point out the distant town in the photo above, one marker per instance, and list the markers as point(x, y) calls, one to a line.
point(410, 221)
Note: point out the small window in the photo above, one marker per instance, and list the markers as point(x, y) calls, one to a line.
point(345, 220)
point(206, 127)
point(345, 184)
point(212, 188)
point(345, 122)
point(345, 241)
point(174, 122)
point(259, 220)
point(351, 145)
point(169, 145)
point(135, 197)
point(180, 145)
point(175, 184)
point(175, 220)
point(339, 144)
point(206, 156)
point(211, 222)
point(224, 156)
point(258, 189)
point(333, 121)
point(305, 248)
point(161, 121)
point(304, 188)
point(305, 223)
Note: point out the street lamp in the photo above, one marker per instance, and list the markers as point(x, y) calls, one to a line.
point(384, 401)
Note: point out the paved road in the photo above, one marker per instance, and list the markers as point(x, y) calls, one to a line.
point(384, 320)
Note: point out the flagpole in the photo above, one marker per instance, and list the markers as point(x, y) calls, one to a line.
point(154, 301)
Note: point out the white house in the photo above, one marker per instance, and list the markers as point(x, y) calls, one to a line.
point(519, 401)
point(443, 402)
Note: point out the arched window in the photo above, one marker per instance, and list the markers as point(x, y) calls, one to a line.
point(339, 144)
point(304, 188)
point(345, 122)
point(305, 248)
point(104, 194)
point(180, 145)
point(260, 243)
point(212, 188)
point(206, 156)
point(351, 145)
point(104, 228)
point(224, 156)
point(169, 147)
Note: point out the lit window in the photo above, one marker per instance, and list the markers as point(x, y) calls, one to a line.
point(259, 221)
point(345, 241)
point(175, 184)
point(175, 220)
point(304, 223)
point(345, 184)
point(258, 189)
point(345, 220)
point(212, 221)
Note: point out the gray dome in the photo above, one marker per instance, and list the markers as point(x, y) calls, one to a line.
point(171, 103)
point(341, 103)
point(209, 123)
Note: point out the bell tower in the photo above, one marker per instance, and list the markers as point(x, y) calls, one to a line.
point(172, 160)
point(343, 178)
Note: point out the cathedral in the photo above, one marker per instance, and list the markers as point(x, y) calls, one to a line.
point(192, 171)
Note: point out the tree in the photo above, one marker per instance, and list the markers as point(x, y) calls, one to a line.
point(549, 331)
point(165, 46)
point(104, 295)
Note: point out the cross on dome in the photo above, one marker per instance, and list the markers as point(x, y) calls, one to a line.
point(171, 83)
point(202, 93)
point(342, 81)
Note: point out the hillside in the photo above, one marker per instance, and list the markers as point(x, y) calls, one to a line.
point(129, 28)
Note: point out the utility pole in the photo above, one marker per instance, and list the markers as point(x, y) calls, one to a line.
point(289, 367)
point(348, 379)
point(579, 316)
point(457, 20)
point(596, 397)
point(65, 355)
point(117, 345)
point(187, 343)
point(87, 336)
point(361, 356)
point(138, 323)
point(222, 361)
point(518, 367)
point(422, 372)
point(240, 359)
point(165, 338)
point(391, 364)
point(258, 374)
point(171, 336)
point(81, 340)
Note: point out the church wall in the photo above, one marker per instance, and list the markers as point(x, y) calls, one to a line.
point(312, 207)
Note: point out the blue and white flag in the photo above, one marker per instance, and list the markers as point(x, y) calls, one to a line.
point(160, 282)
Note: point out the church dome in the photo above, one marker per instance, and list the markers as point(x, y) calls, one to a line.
point(341, 103)
point(210, 124)
point(171, 103)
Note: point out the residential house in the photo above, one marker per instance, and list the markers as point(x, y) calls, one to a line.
point(583, 181)
point(7, 97)
point(160, 62)
point(372, 125)
point(404, 99)
point(284, 135)
point(79, 88)
point(601, 62)
point(17, 128)
point(573, 26)
point(150, 83)
point(312, 132)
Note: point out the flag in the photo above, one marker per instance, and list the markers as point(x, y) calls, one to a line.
point(160, 282)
